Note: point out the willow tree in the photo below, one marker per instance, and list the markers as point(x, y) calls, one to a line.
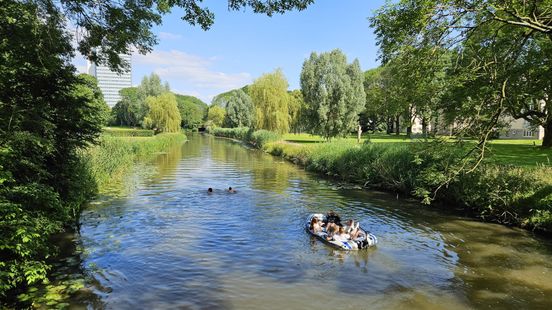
point(163, 114)
point(271, 102)
point(215, 115)
point(333, 92)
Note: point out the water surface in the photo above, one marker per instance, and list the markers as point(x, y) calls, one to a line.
point(168, 244)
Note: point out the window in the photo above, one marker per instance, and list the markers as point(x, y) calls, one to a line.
point(528, 133)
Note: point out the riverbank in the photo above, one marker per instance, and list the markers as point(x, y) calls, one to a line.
point(515, 196)
point(111, 159)
point(26, 237)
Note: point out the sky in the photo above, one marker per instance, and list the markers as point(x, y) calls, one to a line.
point(241, 45)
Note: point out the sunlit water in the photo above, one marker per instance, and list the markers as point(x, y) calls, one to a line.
point(168, 244)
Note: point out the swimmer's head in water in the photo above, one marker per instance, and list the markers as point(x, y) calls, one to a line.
point(210, 190)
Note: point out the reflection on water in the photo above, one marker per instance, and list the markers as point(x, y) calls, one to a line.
point(169, 244)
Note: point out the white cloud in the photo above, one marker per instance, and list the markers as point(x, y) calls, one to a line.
point(191, 72)
point(169, 36)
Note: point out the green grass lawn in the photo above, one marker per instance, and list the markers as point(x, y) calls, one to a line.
point(127, 132)
point(523, 153)
point(308, 138)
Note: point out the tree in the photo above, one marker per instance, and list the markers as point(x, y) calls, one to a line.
point(239, 110)
point(494, 41)
point(271, 102)
point(163, 114)
point(131, 109)
point(192, 110)
point(296, 111)
point(216, 115)
point(88, 87)
point(152, 86)
point(333, 92)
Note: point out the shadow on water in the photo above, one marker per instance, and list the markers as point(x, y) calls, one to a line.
point(169, 244)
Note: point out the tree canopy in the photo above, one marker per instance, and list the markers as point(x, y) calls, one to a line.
point(215, 115)
point(163, 114)
point(271, 102)
point(502, 51)
point(333, 92)
point(239, 110)
point(192, 110)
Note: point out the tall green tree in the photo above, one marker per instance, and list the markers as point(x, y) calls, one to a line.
point(163, 114)
point(192, 110)
point(271, 102)
point(215, 115)
point(333, 92)
point(131, 109)
point(239, 110)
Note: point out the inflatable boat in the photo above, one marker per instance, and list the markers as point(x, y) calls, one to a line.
point(364, 240)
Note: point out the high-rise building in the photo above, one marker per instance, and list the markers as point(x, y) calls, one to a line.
point(111, 82)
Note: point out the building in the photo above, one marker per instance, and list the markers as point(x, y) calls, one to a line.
point(521, 129)
point(111, 82)
point(515, 129)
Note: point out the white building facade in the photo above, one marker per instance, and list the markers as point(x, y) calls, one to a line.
point(111, 82)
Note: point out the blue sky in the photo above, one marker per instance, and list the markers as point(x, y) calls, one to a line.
point(241, 45)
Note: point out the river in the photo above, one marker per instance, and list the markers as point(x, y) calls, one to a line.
point(167, 244)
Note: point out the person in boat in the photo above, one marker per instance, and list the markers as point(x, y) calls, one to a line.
point(231, 190)
point(352, 228)
point(332, 220)
point(315, 226)
point(330, 232)
point(341, 235)
point(210, 190)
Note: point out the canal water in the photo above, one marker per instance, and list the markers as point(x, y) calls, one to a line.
point(167, 244)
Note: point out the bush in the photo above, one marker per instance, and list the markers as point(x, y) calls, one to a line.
point(240, 133)
point(261, 137)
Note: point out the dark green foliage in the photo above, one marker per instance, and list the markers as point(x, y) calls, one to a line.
point(192, 111)
point(47, 114)
point(131, 109)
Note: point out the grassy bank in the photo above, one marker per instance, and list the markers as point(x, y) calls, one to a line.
point(115, 155)
point(521, 153)
point(519, 196)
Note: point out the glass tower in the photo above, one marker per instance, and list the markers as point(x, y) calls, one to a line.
point(111, 82)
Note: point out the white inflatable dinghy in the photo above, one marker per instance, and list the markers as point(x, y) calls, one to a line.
point(364, 240)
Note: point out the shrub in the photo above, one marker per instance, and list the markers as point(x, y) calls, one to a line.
point(262, 137)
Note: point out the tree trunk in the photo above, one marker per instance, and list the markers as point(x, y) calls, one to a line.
point(424, 127)
point(547, 139)
point(409, 131)
point(397, 125)
point(389, 125)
